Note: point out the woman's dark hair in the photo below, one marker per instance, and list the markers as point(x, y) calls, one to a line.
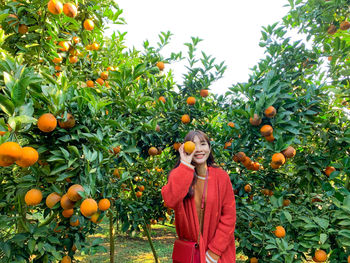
point(210, 161)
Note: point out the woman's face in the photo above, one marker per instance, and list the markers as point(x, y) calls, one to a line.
point(201, 152)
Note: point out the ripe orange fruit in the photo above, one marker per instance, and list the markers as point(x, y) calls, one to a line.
point(104, 75)
point(10, 152)
point(256, 166)
point(191, 100)
point(29, 157)
point(247, 188)
point(189, 147)
point(88, 207)
point(111, 68)
point(69, 123)
point(266, 130)
point(68, 212)
point(22, 29)
point(162, 99)
point(90, 83)
point(74, 222)
point(73, 192)
point(100, 81)
point(270, 138)
point(289, 152)
point(274, 165)
point(185, 118)
point(58, 68)
point(116, 149)
point(160, 65)
point(70, 10)
point(141, 188)
point(204, 93)
point(66, 259)
point(255, 121)
point(177, 146)
point(58, 59)
point(95, 217)
point(47, 122)
point(227, 144)
point(348, 259)
point(104, 204)
point(328, 170)
point(270, 112)
point(286, 202)
point(231, 124)
point(55, 7)
point(33, 197)
point(345, 25)
point(95, 46)
point(52, 199)
point(278, 158)
point(73, 59)
point(64, 45)
point(66, 203)
point(280, 232)
point(320, 255)
point(153, 151)
point(246, 161)
point(254, 260)
point(138, 194)
point(332, 29)
point(239, 157)
point(76, 40)
point(116, 173)
point(89, 24)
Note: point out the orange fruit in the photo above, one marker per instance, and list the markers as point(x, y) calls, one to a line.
point(138, 194)
point(286, 202)
point(58, 59)
point(68, 212)
point(239, 157)
point(64, 45)
point(160, 65)
point(74, 222)
point(246, 161)
point(69, 123)
point(116, 173)
point(278, 158)
point(110, 68)
point(141, 188)
point(227, 144)
point(70, 10)
point(253, 260)
point(177, 146)
point(66, 259)
point(73, 59)
point(280, 232)
point(256, 166)
point(191, 100)
point(204, 93)
point(270, 112)
point(255, 121)
point(266, 130)
point(10, 152)
point(73, 192)
point(116, 149)
point(162, 99)
point(247, 188)
point(328, 170)
point(22, 29)
point(89, 24)
point(52, 199)
point(58, 68)
point(90, 83)
point(153, 151)
point(47, 122)
point(104, 75)
point(332, 29)
point(55, 7)
point(231, 124)
point(348, 259)
point(100, 81)
point(289, 152)
point(33, 197)
point(95, 217)
point(29, 157)
point(104, 204)
point(95, 46)
point(88, 207)
point(345, 25)
point(66, 203)
point(76, 40)
point(274, 166)
point(185, 119)
point(189, 147)
point(320, 255)
point(270, 138)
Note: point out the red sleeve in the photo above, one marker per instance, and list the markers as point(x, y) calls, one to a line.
point(178, 184)
point(224, 233)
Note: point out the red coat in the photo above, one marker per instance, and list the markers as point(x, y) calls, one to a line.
point(219, 215)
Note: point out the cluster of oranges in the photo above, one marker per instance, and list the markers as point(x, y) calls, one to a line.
point(278, 159)
point(12, 152)
point(102, 80)
point(241, 157)
point(48, 122)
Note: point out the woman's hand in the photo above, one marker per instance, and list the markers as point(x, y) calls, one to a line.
point(184, 156)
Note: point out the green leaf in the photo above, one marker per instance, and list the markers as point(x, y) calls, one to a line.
point(9, 81)
point(31, 245)
point(6, 105)
point(324, 223)
point(288, 216)
point(323, 238)
point(18, 93)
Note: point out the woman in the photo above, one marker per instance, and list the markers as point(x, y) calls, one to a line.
point(183, 193)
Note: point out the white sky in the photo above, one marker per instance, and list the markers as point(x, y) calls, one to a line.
point(230, 30)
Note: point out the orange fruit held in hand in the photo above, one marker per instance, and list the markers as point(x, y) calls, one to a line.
point(68, 212)
point(189, 147)
point(266, 130)
point(153, 151)
point(185, 119)
point(247, 188)
point(55, 7)
point(329, 170)
point(33, 197)
point(160, 65)
point(320, 255)
point(270, 112)
point(73, 192)
point(280, 232)
point(89, 24)
point(66, 259)
point(29, 157)
point(10, 152)
point(88, 207)
point(47, 122)
point(70, 10)
point(278, 158)
point(191, 100)
point(69, 123)
point(104, 204)
point(204, 93)
point(162, 99)
point(52, 199)
point(289, 152)
point(66, 203)
point(90, 83)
